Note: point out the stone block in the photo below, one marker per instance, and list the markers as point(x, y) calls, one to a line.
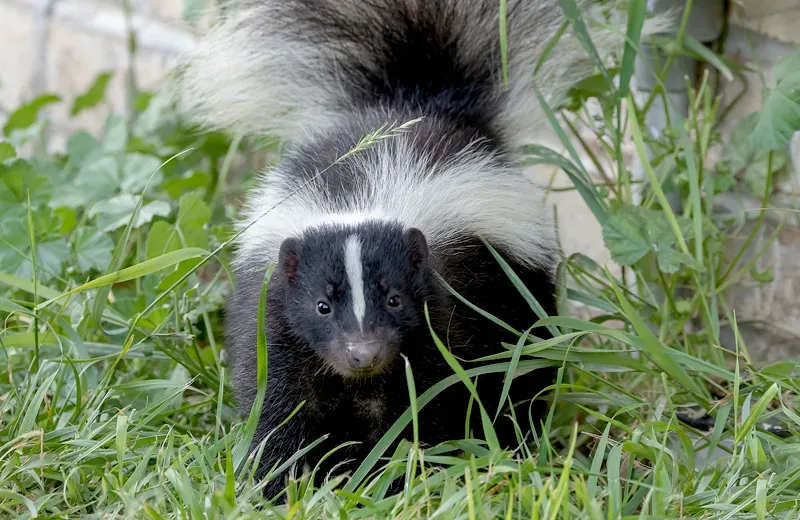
point(776, 18)
point(17, 54)
point(108, 19)
point(579, 231)
point(768, 313)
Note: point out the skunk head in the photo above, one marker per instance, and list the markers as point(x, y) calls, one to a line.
point(355, 293)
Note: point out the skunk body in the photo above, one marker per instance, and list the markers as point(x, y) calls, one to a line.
point(357, 238)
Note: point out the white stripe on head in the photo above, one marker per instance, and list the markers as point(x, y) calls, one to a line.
point(352, 264)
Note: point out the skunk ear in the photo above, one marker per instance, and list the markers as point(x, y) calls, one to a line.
point(419, 246)
point(289, 258)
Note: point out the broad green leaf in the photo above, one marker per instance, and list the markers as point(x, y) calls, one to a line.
point(161, 239)
point(191, 180)
point(164, 238)
point(51, 255)
point(594, 86)
point(95, 181)
point(779, 118)
point(115, 134)
point(670, 260)
point(92, 249)
point(15, 252)
point(137, 169)
point(20, 178)
point(68, 218)
point(180, 270)
point(193, 215)
point(756, 174)
point(739, 150)
point(627, 236)
point(741, 154)
point(115, 213)
point(7, 151)
point(189, 231)
point(93, 96)
point(27, 114)
point(82, 148)
point(635, 231)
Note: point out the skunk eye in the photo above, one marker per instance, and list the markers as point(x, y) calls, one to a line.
point(394, 301)
point(323, 308)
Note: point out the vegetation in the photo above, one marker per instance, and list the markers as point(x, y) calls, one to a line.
point(114, 268)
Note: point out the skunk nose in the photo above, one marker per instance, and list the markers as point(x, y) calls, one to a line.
point(363, 355)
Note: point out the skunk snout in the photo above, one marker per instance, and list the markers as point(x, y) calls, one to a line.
point(367, 353)
point(364, 356)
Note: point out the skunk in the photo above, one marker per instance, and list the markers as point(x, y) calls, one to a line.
point(402, 126)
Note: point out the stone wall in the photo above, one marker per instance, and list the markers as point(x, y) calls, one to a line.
point(61, 45)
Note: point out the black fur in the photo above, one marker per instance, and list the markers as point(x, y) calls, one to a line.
point(414, 72)
point(362, 410)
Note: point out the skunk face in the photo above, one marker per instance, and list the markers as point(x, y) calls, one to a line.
point(355, 293)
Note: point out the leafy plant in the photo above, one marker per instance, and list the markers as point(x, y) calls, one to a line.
point(115, 400)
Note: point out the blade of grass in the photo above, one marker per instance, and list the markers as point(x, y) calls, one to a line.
point(121, 440)
point(16, 497)
point(637, 10)
point(28, 286)
point(756, 413)
point(529, 298)
point(707, 55)
point(412, 399)
point(694, 194)
point(550, 46)
point(512, 368)
point(562, 136)
point(503, 22)
point(119, 251)
point(488, 428)
point(655, 184)
point(242, 448)
point(656, 349)
point(399, 425)
point(597, 462)
point(475, 308)
point(135, 271)
point(573, 14)
point(32, 238)
point(33, 406)
point(538, 154)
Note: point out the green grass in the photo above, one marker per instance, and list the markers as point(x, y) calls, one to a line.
point(115, 398)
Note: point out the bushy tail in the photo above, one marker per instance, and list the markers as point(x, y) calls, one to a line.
point(284, 67)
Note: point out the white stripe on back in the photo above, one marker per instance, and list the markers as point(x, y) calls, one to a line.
point(352, 264)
